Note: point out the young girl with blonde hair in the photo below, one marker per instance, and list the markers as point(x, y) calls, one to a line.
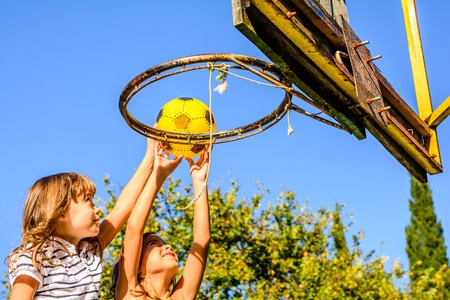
point(62, 237)
point(148, 267)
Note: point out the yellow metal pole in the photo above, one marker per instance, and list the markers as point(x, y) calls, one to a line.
point(419, 72)
point(440, 113)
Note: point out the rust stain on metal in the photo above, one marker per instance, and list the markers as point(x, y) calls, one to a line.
point(290, 14)
point(366, 82)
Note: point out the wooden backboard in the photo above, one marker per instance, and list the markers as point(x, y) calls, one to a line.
point(321, 55)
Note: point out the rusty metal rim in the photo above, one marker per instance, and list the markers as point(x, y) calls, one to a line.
point(259, 67)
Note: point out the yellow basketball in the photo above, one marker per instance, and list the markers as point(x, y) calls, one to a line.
point(185, 115)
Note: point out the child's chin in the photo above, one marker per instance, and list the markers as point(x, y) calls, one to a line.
point(95, 231)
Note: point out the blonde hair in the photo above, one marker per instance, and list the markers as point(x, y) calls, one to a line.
point(47, 200)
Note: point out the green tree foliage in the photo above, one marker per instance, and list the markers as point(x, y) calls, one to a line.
point(274, 251)
point(425, 247)
point(282, 251)
point(431, 284)
point(5, 293)
point(338, 233)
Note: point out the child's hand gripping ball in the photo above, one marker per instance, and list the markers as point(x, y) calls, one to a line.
point(186, 115)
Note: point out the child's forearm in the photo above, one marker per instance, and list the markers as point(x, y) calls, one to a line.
point(126, 201)
point(133, 189)
point(132, 244)
point(202, 231)
point(139, 215)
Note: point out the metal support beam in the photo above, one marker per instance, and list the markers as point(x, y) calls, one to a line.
point(440, 113)
point(328, 62)
point(419, 73)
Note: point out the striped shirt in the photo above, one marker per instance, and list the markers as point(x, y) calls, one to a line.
point(74, 276)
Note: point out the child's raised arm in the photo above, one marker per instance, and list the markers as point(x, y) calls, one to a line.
point(132, 245)
point(188, 285)
point(127, 198)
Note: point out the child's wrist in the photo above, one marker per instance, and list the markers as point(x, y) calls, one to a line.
point(198, 182)
point(199, 185)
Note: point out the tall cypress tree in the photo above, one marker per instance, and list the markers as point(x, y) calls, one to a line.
point(424, 236)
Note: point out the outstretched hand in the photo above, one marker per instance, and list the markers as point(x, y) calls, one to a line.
point(163, 166)
point(199, 169)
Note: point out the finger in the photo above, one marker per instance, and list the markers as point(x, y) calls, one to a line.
point(206, 154)
point(208, 148)
point(190, 161)
point(176, 161)
point(160, 150)
point(203, 158)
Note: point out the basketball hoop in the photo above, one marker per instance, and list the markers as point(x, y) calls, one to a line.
point(220, 62)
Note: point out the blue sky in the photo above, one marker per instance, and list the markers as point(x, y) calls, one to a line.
point(63, 65)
